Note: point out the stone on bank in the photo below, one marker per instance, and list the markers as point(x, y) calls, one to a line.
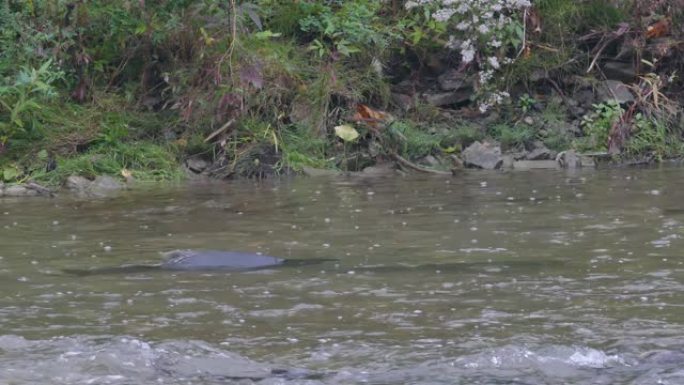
point(483, 155)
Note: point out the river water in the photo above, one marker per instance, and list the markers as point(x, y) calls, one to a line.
point(484, 278)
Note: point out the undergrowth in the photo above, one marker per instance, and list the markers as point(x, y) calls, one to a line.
point(101, 87)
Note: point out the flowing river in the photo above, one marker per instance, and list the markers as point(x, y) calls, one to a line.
point(485, 278)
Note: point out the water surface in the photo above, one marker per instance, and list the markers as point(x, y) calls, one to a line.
point(484, 278)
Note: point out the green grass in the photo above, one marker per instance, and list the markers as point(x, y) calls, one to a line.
point(146, 161)
point(300, 150)
point(511, 137)
point(655, 139)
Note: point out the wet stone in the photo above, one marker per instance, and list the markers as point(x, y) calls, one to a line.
point(508, 161)
point(196, 164)
point(19, 191)
point(540, 152)
point(105, 183)
point(318, 172)
point(77, 183)
point(569, 159)
point(535, 164)
point(483, 155)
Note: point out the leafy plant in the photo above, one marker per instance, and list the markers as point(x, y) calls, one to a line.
point(597, 125)
point(526, 102)
point(21, 101)
point(346, 29)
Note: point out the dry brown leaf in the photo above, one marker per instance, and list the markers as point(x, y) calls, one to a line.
point(658, 29)
point(373, 118)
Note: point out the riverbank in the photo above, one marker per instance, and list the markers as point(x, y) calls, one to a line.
point(149, 92)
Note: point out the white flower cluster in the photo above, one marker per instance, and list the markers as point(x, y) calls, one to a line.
point(478, 30)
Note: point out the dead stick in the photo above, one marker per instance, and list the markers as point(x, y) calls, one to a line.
point(415, 167)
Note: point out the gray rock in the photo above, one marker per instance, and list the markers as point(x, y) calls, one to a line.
point(483, 155)
point(451, 80)
point(585, 98)
point(617, 70)
point(77, 183)
point(540, 152)
point(569, 159)
point(535, 164)
point(318, 172)
point(508, 161)
point(403, 101)
point(16, 190)
point(379, 170)
point(518, 155)
point(105, 184)
point(572, 129)
point(456, 162)
point(2, 189)
point(196, 164)
point(405, 86)
point(614, 90)
point(587, 161)
point(447, 98)
point(430, 161)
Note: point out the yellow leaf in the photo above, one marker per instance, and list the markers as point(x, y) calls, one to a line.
point(346, 132)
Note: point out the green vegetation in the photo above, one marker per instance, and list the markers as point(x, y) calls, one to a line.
point(131, 88)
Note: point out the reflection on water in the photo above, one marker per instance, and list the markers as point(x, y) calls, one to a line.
point(491, 278)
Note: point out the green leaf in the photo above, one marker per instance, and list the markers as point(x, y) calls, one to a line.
point(42, 154)
point(346, 132)
point(140, 29)
point(267, 34)
point(10, 173)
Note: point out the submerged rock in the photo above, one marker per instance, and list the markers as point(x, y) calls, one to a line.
point(483, 155)
point(535, 164)
point(16, 190)
point(569, 159)
point(319, 172)
point(379, 170)
point(102, 185)
point(77, 183)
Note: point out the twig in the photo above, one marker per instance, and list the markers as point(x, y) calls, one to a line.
point(415, 167)
point(233, 30)
point(40, 189)
point(219, 131)
point(523, 46)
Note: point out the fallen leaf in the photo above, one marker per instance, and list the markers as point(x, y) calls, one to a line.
point(346, 132)
point(373, 118)
point(658, 29)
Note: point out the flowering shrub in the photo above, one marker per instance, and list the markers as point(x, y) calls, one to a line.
point(487, 33)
